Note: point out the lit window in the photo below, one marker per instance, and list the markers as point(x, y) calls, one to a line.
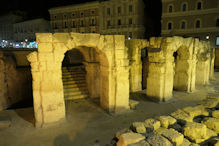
point(93, 22)
point(184, 7)
point(197, 24)
point(217, 22)
point(130, 8)
point(170, 9)
point(183, 25)
point(217, 41)
point(169, 26)
point(199, 6)
point(119, 22)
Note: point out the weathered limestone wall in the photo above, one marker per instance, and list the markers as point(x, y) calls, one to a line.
point(203, 64)
point(15, 82)
point(212, 59)
point(134, 51)
point(46, 71)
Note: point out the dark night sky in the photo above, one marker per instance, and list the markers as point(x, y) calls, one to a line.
point(39, 8)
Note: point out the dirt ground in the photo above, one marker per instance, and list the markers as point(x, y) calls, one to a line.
point(88, 125)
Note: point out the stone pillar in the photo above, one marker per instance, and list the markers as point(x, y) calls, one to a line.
point(48, 96)
point(160, 76)
point(136, 77)
point(93, 78)
point(202, 72)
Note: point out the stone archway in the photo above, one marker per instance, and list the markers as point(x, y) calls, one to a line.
point(160, 80)
point(46, 64)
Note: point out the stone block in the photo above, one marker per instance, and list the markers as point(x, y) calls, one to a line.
point(60, 37)
point(215, 114)
point(186, 142)
point(152, 123)
point(141, 143)
point(196, 111)
point(133, 103)
point(139, 127)
point(158, 140)
point(212, 123)
point(123, 131)
point(129, 138)
point(45, 47)
point(32, 57)
point(166, 121)
point(181, 116)
point(172, 135)
point(195, 131)
point(44, 37)
point(210, 103)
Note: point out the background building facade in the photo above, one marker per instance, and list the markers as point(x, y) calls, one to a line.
point(125, 17)
point(197, 18)
point(26, 30)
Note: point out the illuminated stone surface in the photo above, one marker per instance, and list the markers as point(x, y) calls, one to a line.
point(166, 121)
point(173, 136)
point(212, 123)
point(215, 114)
point(139, 127)
point(156, 139)
point(129, 138)
point(152, 123)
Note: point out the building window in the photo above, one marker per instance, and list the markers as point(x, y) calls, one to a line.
point(170, 25)
point(92, 12)
point(73, 24)
point(73, 14)
point(82, 23)
point(197, 24)
point(65, 24)
point(55, 16)
point(130, 21)
point(199, 6)
point(130, 35)
point(93, 22)
point(119, 22)
point(217, 22)
point(82, 13)
point(170, 9)
point(183, 25)
point(119, 10)
point(64, 16)
point(184, 7)
point(130, 8)
point(108, 23)
point(108, 11)
point(217, 40)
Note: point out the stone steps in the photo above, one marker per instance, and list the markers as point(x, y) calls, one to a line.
point(74, 83)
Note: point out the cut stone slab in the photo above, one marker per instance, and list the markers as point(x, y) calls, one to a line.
point(5, 123)
point(195, 131)
point(212, 123)
point(196, 111)
point(210, 133)
point(181, 116)
point(152, 123)
point(129, 138)
point(133, 104)
point(210, 102)
point(166, 121)
point(172, 135)
point(123, 131)
point(139, 127)
point(158, 140)
point(215, 114)
point(141, 143)
point(186, 142)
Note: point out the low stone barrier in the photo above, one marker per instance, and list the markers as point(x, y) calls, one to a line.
point(190, 126)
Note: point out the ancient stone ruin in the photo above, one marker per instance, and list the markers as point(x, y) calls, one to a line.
point(113, 69)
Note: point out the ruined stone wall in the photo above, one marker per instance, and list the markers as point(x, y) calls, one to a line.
point(134, 52)
point(15, 83)
point(46, 72)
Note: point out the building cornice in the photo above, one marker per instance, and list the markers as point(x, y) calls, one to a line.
point(189, 31)
point(191, 13)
